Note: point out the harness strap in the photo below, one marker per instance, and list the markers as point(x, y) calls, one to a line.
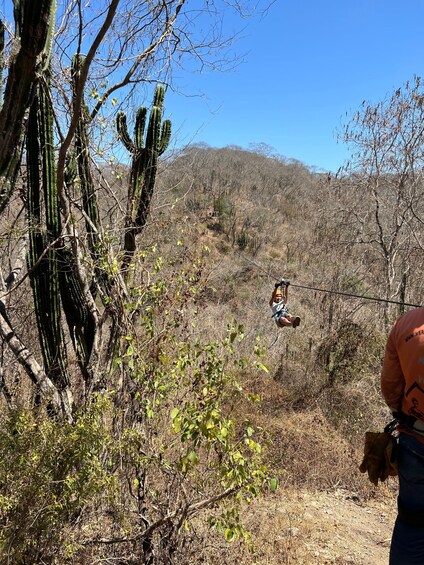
point(282, 310)
point(280, 313)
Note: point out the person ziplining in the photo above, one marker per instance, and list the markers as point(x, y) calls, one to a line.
point(278, 303)
point(331, 291)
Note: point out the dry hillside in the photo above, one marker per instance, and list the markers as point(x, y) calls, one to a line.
point(260, 218)
point(225, 225)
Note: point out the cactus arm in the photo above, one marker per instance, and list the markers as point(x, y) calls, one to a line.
point(153, 129)
point(48, 163)
point(88, 192)
point(159, 96)
point(140, 124)
point(165, 137)
point(121, 124)
point(48, 45)
point(83, 165)
point(33, 168)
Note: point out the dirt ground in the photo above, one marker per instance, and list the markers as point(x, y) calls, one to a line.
point(320, 528)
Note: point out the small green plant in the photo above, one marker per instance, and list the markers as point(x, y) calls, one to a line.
point(182, 414)
point(225, 213)
point(51, 474)
point(243, 240)
point(191, 435)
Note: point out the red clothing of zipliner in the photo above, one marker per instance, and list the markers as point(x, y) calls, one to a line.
point(402, 375)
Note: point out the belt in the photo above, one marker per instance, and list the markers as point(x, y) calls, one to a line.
point(412, 423)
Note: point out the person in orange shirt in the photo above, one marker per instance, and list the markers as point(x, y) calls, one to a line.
point(402, 387)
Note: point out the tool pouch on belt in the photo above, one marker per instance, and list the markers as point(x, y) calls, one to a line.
point(380, 454)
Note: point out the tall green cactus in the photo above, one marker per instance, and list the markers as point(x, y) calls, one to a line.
point(78, 315)
point(44, 232)
point(2, 32)
point(88, 192)
point(52, 273)
point(43, 237)
point(145, 149)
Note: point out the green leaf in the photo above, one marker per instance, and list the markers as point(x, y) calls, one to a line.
point(230, 534)
point(174, 413)
point(273, 484)
point(192, 457)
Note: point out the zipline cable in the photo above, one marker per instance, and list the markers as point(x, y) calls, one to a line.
point(362, 297)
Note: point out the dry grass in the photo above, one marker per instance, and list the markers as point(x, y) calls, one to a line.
point(316, 447)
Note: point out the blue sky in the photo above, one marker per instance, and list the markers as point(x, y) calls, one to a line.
point(306, 63)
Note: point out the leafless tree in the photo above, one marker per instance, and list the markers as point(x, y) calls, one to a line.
point(383, 183)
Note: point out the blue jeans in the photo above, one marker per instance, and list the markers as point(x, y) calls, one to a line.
point(407, 547)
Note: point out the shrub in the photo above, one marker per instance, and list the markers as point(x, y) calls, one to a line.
point(50, 473)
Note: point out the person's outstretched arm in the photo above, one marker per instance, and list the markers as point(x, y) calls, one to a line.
point(392, 378)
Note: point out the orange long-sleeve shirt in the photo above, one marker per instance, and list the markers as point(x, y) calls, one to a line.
point(402, 375)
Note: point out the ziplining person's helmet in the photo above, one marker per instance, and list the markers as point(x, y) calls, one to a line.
point(278, 292)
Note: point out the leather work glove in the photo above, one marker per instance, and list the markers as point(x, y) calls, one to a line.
point(390, 454)
point(277, 285)
point(375, 461)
